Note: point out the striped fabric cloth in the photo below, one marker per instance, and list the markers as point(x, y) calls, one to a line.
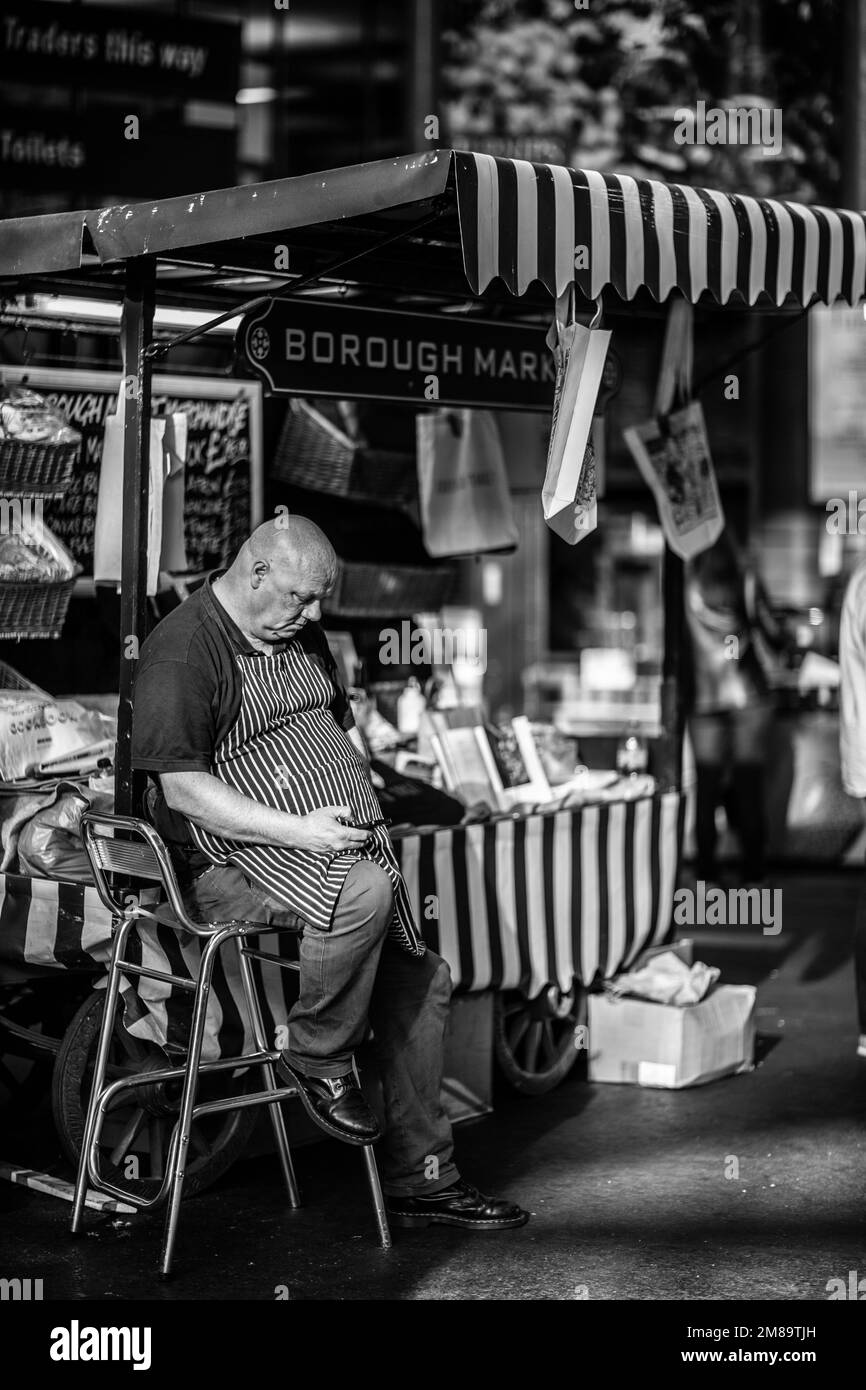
point(47, 923)
point(523, 222)
point(546, 898)
point(510, 904)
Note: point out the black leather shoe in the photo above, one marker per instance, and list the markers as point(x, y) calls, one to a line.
point(458, 1205)
point(334, 1103)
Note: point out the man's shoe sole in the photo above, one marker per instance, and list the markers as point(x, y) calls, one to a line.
point(417, 1222)
point(333, 1130)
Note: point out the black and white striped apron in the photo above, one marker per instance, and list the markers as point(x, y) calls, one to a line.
point(286, 750)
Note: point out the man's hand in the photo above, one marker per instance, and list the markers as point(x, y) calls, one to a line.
point(322, 833)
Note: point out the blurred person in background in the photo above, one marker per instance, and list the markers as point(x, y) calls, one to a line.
point(852, 748)
point(732, 635)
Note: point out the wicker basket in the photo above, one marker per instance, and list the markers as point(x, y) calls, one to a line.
point(315, 453)
point(33, 609)
point(381, 591)
point(37, 470)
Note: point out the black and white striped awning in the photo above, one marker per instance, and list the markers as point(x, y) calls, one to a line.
point(519, 222)
point(522, 222)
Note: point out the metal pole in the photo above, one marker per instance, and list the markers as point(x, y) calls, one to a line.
point(853, 22)
point(670, 763)
point(136, 332)
point(423, 94)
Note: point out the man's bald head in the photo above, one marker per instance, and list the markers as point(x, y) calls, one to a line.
point(278, 579)
point(292, 542)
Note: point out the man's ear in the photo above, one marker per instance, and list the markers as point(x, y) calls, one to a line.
point(258, 572)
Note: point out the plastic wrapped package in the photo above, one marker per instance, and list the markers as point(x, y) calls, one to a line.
point(36, 734)
point(50, 844)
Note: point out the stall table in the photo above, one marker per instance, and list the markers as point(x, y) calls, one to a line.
point(516, 903)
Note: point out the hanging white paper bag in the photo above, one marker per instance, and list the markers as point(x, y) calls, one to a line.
point(174, 438)
point(569, 492)
point(167, 455)
point(463, 492)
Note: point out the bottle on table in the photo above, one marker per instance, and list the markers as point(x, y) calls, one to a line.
point(632, 755)
point(410, 706)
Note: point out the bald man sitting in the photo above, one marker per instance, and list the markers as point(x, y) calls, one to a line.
point(264, 797)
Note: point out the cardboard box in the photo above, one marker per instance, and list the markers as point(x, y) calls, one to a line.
point(648, 1044)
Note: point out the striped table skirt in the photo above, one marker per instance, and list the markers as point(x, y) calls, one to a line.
point(517, 903)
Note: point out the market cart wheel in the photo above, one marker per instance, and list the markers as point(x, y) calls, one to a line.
point(536, 1041)
point(136, 1134)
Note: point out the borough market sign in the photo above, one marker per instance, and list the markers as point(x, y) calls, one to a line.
point(309, 348)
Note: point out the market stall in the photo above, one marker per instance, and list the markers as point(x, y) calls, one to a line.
point(528, 901)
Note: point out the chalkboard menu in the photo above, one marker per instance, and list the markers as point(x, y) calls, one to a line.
point(223, 479)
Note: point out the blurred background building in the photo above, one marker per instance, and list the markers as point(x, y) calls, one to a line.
point(192, 94)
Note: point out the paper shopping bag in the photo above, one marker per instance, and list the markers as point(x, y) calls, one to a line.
point(165, 455)
point(673, 455)
point(174, 428)
point(463, 492)
point(569, 492)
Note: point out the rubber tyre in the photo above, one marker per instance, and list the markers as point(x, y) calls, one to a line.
point(77, 1054)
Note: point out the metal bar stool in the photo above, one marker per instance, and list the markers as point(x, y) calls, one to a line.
point(126, 846)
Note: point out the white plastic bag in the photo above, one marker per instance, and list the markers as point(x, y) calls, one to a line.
point(667, 979)
point(462, 484)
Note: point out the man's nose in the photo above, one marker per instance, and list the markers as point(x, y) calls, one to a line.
point(313, 612)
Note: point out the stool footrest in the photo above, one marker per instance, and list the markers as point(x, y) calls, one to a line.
point(269, 959)
point(126, 967)
point(242, 1102)
point(153, 1078)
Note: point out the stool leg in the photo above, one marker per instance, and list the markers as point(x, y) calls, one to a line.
point(378, 1199)
point(261, 1044)
point(109, 1007)
point(375, 1186)
point(180, 1139)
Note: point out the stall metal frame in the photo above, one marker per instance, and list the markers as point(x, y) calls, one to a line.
point(446, 226)
point(442, 230)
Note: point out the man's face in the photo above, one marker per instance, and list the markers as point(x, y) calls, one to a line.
point(287, 597)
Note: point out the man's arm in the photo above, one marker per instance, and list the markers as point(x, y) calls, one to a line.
point(219, 809)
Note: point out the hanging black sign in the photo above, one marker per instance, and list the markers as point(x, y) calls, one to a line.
point(47, 150)
point(223, 473)
point(305, 347)
point(122, 49)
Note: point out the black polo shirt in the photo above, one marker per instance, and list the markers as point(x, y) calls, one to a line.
point(187, 696)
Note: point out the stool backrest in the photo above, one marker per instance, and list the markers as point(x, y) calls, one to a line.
point(128, 846)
